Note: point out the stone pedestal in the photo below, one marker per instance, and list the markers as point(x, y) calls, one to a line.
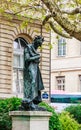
point(30, 120)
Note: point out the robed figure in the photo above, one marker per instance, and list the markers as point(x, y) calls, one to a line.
point(33, 83)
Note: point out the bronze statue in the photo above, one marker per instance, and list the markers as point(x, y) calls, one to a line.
point(33, 83)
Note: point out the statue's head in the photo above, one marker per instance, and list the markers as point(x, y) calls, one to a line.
point(38, 40)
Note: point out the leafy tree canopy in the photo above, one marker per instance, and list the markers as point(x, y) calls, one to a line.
point(63, 16)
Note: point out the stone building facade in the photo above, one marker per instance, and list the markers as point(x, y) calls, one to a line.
point(10, 31)
point(66, 64)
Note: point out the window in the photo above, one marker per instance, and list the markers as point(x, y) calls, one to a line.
point(60, 83)
point(18, 59)
point(80, 82)
point(61, 47)
point(80, 48)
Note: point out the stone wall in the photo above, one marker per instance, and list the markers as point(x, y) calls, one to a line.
point(9, 31)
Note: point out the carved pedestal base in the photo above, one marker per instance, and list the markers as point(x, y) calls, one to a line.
point(30, 120)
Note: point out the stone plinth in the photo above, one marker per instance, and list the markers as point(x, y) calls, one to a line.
point(30, 120)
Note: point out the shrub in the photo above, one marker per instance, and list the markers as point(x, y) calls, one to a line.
point(75, 110)
point(11, 104)
point(67, 122)
point(54, 123)
point(7, 105)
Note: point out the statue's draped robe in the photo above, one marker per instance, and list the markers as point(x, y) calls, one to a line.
point(32, 77)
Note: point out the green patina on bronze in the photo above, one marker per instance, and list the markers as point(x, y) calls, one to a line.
point(32, 77)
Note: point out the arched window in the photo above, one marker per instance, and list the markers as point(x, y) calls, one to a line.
point(18, 58)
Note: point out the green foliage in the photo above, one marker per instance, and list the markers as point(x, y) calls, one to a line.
point(62, 121)
point(54, 123)
point(5, 121)
point(50, 46)
point(75, 111)
point(68, 123)
point(24, 24)
point(7, 105)
point(68, 14)
point(78, 1)
point(11, 104)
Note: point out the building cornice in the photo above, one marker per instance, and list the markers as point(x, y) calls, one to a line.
point(66, 69)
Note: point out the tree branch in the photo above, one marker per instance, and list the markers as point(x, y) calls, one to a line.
point(52, 24)
point(24, 9)
point(70, 27)
point(72, 12)
point(47, 18)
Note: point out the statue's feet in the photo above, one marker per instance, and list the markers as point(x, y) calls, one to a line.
point(32, 106)
point(38, 108)
point(21, 108)
point(28, 105)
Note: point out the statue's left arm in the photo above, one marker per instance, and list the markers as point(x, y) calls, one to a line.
point(28, 57)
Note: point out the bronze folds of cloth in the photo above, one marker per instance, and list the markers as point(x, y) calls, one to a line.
point(33, 83)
